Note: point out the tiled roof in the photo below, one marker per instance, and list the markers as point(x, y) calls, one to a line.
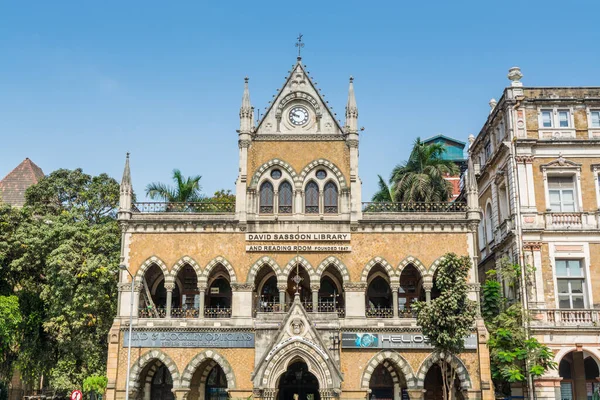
point(14, 185)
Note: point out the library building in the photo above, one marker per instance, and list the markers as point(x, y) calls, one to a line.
point(297, 291)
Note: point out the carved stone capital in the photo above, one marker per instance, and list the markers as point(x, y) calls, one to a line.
point(138, 287)
point(355, 286)
point(475, 287)
point(244, 144)
point(170, 286)
point(352, 143)
point(532, 246)
point(395, 287)
point(524, 159)
point(180, 394)
point(315, 287)
point(427, 286)
point(282, 287)
point(242, 287)
point(202, 287)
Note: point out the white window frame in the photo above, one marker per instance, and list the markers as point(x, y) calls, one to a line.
point(593, 131)
point(596, 172)
point(491, 229)
point(584, 257)
point(567, 169)
point(556, 131)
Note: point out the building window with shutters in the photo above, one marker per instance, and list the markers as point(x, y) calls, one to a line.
point(266, 198)
point(311, 198)
point(330, 198)
point(285, 198)
point(570, 283)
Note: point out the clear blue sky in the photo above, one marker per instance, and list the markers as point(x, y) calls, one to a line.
point(82, 83)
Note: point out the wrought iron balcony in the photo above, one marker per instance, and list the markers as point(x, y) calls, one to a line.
point(217, 312)
point(147, 312)
point(199, 207)
point(268, 306)
point(380, 312)
point(415, 207)
point(329, 307)
point(184, 312)
point(565, 318)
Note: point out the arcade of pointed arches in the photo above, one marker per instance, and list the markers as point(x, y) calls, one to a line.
point(188, 290)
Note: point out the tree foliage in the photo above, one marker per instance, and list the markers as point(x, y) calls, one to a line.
point(421, 178)
point(448, 319)
point(185, 189)
point(61, 261)
point(513, 354)
point(384, 192)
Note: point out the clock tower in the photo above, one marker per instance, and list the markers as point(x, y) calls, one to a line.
point(298, 141)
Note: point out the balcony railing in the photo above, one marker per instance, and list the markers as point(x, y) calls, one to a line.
point(564, 219)
point(330, 308)
point(266, 306)
point(217, 312)
point(380, 312)
point(565, 317)
point(416, 207)
point(200, 207)
point(146, 312)
point(184, 312)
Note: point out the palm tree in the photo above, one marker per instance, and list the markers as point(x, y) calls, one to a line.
point(384, 194)
point(186, 190)
point(421, 178)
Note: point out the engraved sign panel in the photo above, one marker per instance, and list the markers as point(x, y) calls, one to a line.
point(394, 341)
point(298, 237)
point(189, 339)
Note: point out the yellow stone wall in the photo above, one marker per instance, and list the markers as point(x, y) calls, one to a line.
point(299, 154)
point(204, 247)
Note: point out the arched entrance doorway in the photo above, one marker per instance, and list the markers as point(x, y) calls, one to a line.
point(579, 372)
point(434, 385)
point(298, 380)
point(162, 384)
point(381, 384)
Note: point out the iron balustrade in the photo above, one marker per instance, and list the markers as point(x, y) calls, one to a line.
point(196, 207)
point(414, 207)
point(270, 306)
point(329, 307)
point(188, 312)
point(308, 306)
point(217, 312)
point(380, 312)
point(147, 312)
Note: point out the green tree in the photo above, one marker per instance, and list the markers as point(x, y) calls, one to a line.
point(384, 193)
point(448, 319)
point(513, 354)
point(421, 178)
point(10, 320)
point(63, 258)
point(185, 190)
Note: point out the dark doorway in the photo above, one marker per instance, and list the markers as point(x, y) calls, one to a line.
point(216, 385)
point(434, 385)
point(297, 379)
point(162, 383)
point(381, 384)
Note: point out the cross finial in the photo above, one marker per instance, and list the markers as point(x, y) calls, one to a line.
point(299, 45)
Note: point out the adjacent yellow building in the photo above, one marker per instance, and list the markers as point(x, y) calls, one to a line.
point(299, 288)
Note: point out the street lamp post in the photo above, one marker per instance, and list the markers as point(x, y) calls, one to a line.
point(123, 267)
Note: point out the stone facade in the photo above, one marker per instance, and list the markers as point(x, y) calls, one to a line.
point(282, 284)
point(536, 161)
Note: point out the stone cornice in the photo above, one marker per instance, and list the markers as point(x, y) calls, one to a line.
point(307, 137)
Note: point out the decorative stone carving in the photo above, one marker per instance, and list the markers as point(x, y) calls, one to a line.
point(515, 75)
point(282, 287)
point(355, 286)
point(315, 287)
point(532, 246)
point(524, 159)
point(427, 286)
point(169, 286)
point(297, 327)
point(242, 287)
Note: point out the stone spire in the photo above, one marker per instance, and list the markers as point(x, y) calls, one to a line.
point(351, 110)
point(246, 111)
point(126, 192)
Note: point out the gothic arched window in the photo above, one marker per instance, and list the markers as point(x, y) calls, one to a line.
point(311, 198)
point(330, 199)
point(266, 198)
point(285, 198)
point(489, 227)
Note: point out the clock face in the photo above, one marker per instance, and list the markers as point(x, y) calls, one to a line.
point(298, 115)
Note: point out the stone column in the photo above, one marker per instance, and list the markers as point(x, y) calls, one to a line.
point(282, 291)
point(533, 257)
point(169, 286)
point(427, 287)
point(579, 374)
point(315, 297)
point(297, 202)
point(201, 295)
point(355, 299)
point(395, 289)
point(241, 300)
point(415, 394)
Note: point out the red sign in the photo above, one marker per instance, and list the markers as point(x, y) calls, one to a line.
point(76, 395)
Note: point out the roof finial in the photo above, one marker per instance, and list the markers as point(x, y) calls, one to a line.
point(299, 45)
point(126, 180)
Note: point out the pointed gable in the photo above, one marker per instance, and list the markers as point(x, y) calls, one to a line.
point(299, 91)
point(14, 185)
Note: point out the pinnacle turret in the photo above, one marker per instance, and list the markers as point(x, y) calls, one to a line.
point(351, 110)
point(126, 191)
point(246, 111)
